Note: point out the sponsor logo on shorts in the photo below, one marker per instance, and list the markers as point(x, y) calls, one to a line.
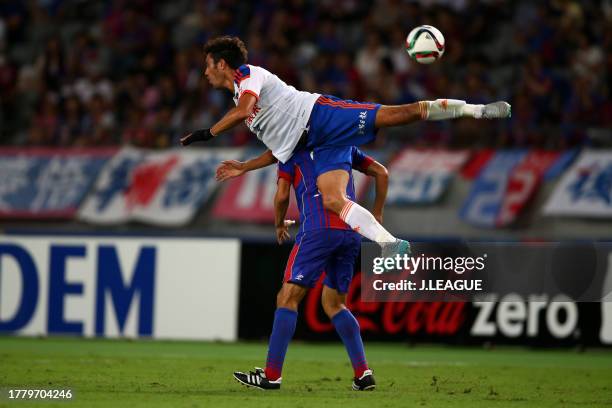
point(362, 121)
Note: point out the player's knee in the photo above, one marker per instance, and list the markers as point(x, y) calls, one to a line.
point(332, 310)
point(284, 300)
point(280, 299)
point(287, 298)
point(331, 307)
point(333, 202)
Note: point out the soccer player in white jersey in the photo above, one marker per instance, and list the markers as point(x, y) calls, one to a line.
point(284, 118)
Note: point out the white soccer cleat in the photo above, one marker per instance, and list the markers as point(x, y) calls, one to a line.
point(497, 110)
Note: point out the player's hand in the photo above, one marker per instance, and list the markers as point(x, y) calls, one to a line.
point(201, 135)
point(282, 232)
point(229, 169)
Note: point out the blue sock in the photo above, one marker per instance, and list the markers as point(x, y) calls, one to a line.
point(348, 329)
point(282, 332)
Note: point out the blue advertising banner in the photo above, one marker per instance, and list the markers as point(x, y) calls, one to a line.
point(585, 190)
point(164, 188)
point(47, 183)
point(508, 182)
point(487, 195)
point(422, 176)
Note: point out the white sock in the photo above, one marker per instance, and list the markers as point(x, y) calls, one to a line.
point(442, 109)
point(363, 222)
point(472, 111)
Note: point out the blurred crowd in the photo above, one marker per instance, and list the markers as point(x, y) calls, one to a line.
point(95, 73)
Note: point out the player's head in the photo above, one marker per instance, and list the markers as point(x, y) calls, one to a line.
point(223, 56)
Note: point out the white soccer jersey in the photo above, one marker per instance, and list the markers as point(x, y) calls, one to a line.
point(281, 112)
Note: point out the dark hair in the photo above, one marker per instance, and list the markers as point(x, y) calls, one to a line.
point(231, 49)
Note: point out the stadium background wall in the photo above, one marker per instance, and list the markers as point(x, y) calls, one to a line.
point(554, 324)
point(222, 289)
point(135, 287)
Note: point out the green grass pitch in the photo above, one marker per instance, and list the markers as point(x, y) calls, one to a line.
point(114, 373)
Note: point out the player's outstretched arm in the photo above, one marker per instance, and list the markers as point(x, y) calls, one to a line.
point(236, 115)
point(281, 204)
point(233, 168)
point(232, 118)
point(381, 179)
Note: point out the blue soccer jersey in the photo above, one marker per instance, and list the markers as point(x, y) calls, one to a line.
point(324, 243)
point(299, 170)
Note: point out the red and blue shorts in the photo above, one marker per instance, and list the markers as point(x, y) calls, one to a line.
point(333, 251)
point(335, 126)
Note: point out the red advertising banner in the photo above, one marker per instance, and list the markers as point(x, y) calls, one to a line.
point(478, 160)
point(523, 184)
point(388, 318)
point(546, 320)
point(251, 197)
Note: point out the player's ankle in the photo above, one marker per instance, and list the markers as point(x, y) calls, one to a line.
point(359, 372)
point(472, 111)
point(272, 374)
point(441, 109)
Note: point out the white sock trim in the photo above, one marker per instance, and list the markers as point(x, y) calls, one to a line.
point(363, 222)
point(442, 109)
point(346, 210)
point(472, 111)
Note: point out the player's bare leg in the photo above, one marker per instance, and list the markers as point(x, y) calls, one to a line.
point(396, 115)
point(333, 302)
point(334, 305)
point(290, 296)
point(440, 109)
point(332, 186)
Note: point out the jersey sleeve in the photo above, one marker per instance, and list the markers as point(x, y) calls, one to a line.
point(361, 161)
point(286, 171)
point(248, 81)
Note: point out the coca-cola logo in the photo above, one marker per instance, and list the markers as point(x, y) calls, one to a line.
point(432, 318)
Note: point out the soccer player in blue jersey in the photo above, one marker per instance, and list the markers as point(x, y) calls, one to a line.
point(324, 243)
point(283, 118)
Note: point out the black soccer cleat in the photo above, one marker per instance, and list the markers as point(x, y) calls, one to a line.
point(257, 379)
point(365, 382)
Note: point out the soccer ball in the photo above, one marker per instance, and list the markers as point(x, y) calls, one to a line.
point(425, 44)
